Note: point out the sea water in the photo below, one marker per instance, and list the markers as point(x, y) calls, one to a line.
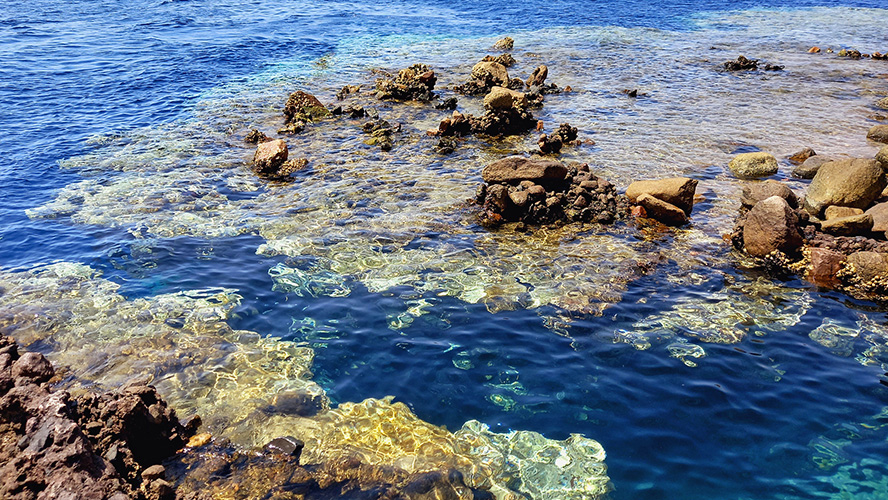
point(136, 240)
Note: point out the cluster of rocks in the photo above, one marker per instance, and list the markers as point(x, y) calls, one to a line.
point(102, 446)
point(744, 64)
point(301, 108)
point(412, 84)
point(380, 133)
point(850, 53)
point(507, 113)
point(834, 236)
point(553, 143)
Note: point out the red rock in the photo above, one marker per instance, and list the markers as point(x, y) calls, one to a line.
point(771, 225)
point(824, 266)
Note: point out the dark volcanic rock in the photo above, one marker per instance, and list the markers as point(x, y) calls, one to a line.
point(744, 64)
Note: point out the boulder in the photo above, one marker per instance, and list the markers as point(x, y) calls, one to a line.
point(304, 107)
point(808, 169)
point(503, 98)
point(755, 192)
point(853, 225)
point(771, 225)
point(823, 267)
point(879, 213)
point(504, 44)
point(677, 191)
point(269, 157)
point(868, 265)
point(878, 133)
point(753, 165)
point(801, 156)
point(662, 211)
point(882, 157)
point(835, 212)
point(515, 169)
point(847, 183)
point(538, 77)
point(497, 72)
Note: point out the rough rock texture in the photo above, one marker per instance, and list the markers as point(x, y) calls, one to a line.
point(486, 75)
point(879, 213)
point(834, 212)
point(662, 211)
point(878, 133)
point(503, 98)
point(412, 84)
point(824, 266)
point(269, 158)
point(882, 157)
point(755, 192)
point(744, 64)
point(380, 133)
point(808, 169)
point(303, 107)
point(869, 265)
point(494, 122)
point(771, 225)
point(93, 446)
point(848, 183)
point(255, 136)
point(851, 225)
point(801, 156)
point(505, 59)
point(497, 71)
point(504, 43)
point(553, 143)
point(538, 77)
point(515, 169)
point(752, 165)
point(677, 191)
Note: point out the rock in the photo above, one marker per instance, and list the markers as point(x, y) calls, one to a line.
point(496, 71)
point(449, 103)
point(662, 211)
point(808, 169)
point(753, 165)
point(801, 156)
point(269, 157)
point(503, 98)
point(814, 50)
point(823, 267)
point(868, 265)
point(538, 77)
point(412, 84)
point(852, 225)
point(847, 183)
point(33, 367)
point(515, 169)
point(771, 225)
point(677, 191)
point(456, 125)
point(882, 157)
point(287, 445)
point(879, 213)
point(519, 198)
point(153, 472)
point(755, 192)
point(835, 212)
point(741, 64)
point(549, 144)
point(255, 136)
point(304, 107)
point(504, 44)
point(878, 133)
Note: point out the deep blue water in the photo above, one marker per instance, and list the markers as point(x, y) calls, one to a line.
point(740, 425)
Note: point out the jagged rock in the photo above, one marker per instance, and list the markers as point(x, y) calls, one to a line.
point(304, 107)
point(852, 225)
point(868, 265)
point(755, 192)
point(504, 44)
point(879, 213)
point(882, 157)
point(567, 133)
point(503, 98)
point(505, 59)
point(808, 169)
point(848, 183)
point(269, 157)
point(449, 103)
point(255, 136)
point(878, 133)
point(677, 191)
point(457, 125)
point(549, 144)
point(515, 169)
point(801, 156)
point(852, 53)
point(538, 77)
point(496, 122)
point(753, 165)
point(662, 211)
point(771, 225)
point(835, 212)
point(824, 266)
point(32, 367)
point(744, 64)
point(380, 133)
point(346, 91)
point(498, 72)
point(412, 84)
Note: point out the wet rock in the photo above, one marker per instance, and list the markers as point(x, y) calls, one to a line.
point(808, 169)
point(824, 267)
point(504, 44)
point(677, 191)
point(412, 84)
point(515, 169)
point(497, 71)
point(347, 91)
point(848, 183)
point(662, 211)
point(882, 157)
point(505, 59)
point(867, 266)
point(538, 77)
point(851, 53)
point(834, 212)
point(879, 213)
point(287, 445)
point(32, 367)
point(852, 225)
point(457, 125)
point(449, 103)
point(801, 156)
point(567, 133)
point(254, 136)
point(753, 165)
point(502, 99)
point(303, 107)
point(446, 145)
point(771, 225)
point(882, 103)
point(814, 50)
point(878, 133)
point(269, 157)
point(380, 133)
point(744, 64)
point(755, 192)
point(549, 144)
point(498, 122)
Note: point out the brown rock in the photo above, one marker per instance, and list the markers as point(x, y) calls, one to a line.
point(538, 77)
point(814, 50)
point(878, 133)
point(834, 212)
point(32, 366)
point(754, 192)
point(269, 157)
point(497, 71)
point(753, 165)
point(302, 106)
point(868, 265)
point(504, 44)
point(519, 198)
point(882, 157)
point(662, 211)
point(853, 225)
point(847, 183)
point(503, 98)
point(801, 156)
point(824, 264)
point(515, 169)
point(808, 169)
point(879, 213)
point(771, 225)
point(677, 191)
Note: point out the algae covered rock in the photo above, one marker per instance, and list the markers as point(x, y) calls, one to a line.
point(848, 183)
point(752, 165)
point(878, 133)
point(304, 107)
point(771, 225)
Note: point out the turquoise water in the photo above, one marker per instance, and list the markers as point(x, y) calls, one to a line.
point(700, 377)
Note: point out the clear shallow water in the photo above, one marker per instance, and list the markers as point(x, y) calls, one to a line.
point(166, 92)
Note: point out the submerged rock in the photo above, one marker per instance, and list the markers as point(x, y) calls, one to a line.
point(752, 165)
point(412, 84)
point(269, 158)
point(662, 211)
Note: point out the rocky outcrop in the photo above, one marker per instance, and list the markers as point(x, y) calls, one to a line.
point(847, 183)
point(771, 225)
point(486, 75)
point(878, 133)
point(753, 165)
point(497, 120)
point(538, 77)
point(412, 84)
point(677, 191)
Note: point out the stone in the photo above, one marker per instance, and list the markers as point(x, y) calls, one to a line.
point(879, 213)
point(33, 366)
point(503, 98)
point(153, 472)
point(538, 77)
point(755, 192)
point(823, 267)
point(847, 183)
point(411, 84)
point(868, 265)
point(808, 169)
point(853, 225)
point(515, 169)
point(677, 191)
point(741, 64)
point(269, 157)
point(836, 212)
point(814, 50)
point(504, 44)
point(303, 107)
point(287, 445)
point(662, 211)
point(801, 156)
point(497, 72)
point(519, 198)
point(753, 165)
point(878, 133)
point(550, 144)
point(882, 157)
point(771, 225)
point(255, 136)
point(882, 103)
